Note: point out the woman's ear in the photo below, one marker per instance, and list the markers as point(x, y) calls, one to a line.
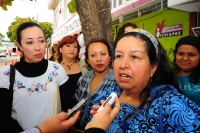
point(154, 68)
point(19, 46)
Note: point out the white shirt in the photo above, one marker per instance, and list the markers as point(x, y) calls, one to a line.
point(34, 97)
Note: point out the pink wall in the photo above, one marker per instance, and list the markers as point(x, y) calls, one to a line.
point(129, 7)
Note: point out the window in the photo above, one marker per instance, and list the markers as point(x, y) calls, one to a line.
point(114, 3)
point(130, 16)
point(164, 4)
point(115, 22)
point(150, 9)
point(120, 2)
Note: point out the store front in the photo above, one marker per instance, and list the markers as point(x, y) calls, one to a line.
point(192, 6)
point(167, 25)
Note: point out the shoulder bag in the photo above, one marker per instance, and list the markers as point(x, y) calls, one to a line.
point(12, 79)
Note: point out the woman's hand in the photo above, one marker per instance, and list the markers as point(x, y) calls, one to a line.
point(104, 118)
point(95, 108)
point(58, 123)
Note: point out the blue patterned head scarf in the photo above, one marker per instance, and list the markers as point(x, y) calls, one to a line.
point(150, 36)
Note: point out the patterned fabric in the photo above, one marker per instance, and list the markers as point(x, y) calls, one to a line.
point(174, 112)
point(190, 90)
point(149, 35)
point(34, 98)
point(83, 90)
point(35, 88)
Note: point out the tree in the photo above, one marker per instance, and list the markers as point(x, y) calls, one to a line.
point(96, 20)
point(95, 17)
point(5, 3)
point(1, 38)
point(46, 26)
point(11, 33)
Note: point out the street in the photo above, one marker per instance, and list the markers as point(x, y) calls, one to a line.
point(8, 59)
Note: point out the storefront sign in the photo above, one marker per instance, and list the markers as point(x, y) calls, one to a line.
point(168, 31)
point(71, 26)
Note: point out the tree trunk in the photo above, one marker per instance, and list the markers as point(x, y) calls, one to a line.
point(96, 21)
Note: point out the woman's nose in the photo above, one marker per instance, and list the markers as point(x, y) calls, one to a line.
point(99, 58)
point(37, 46)
point(185, 57)
point(124, 63)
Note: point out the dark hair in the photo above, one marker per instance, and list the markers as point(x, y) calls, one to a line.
point(164, 73)
point(68, 40)
point(24, 26)
point(96, 40)
point(52, 49)
point(194, 76)
point(121, 31)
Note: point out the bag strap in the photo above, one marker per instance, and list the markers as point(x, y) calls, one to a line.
point(130, 118)
point(12, 79)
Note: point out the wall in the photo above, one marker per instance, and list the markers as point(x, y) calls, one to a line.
point(175, 20)
point(70, 27)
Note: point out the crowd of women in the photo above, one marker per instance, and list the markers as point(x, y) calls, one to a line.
point(154, 95)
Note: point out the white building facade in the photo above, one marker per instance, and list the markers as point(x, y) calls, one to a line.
point(66, 23)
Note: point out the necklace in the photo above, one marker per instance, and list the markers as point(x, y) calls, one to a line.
point(69, 66)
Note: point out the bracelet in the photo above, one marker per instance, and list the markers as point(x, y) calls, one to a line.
point(38, 129)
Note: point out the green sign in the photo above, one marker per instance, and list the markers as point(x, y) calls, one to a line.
point(171, 24)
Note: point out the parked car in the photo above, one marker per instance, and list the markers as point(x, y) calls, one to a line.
point(2, 54)
point(13, 54)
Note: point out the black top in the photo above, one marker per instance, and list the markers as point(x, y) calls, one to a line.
point(9, 125)
point(94, 130)
point(31, 69)
point(73, 79)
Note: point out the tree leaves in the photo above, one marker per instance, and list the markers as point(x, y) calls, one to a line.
point(5, 3)
point(47, 28)
point(11, 34)
point(72, 6)
point(1, 2)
